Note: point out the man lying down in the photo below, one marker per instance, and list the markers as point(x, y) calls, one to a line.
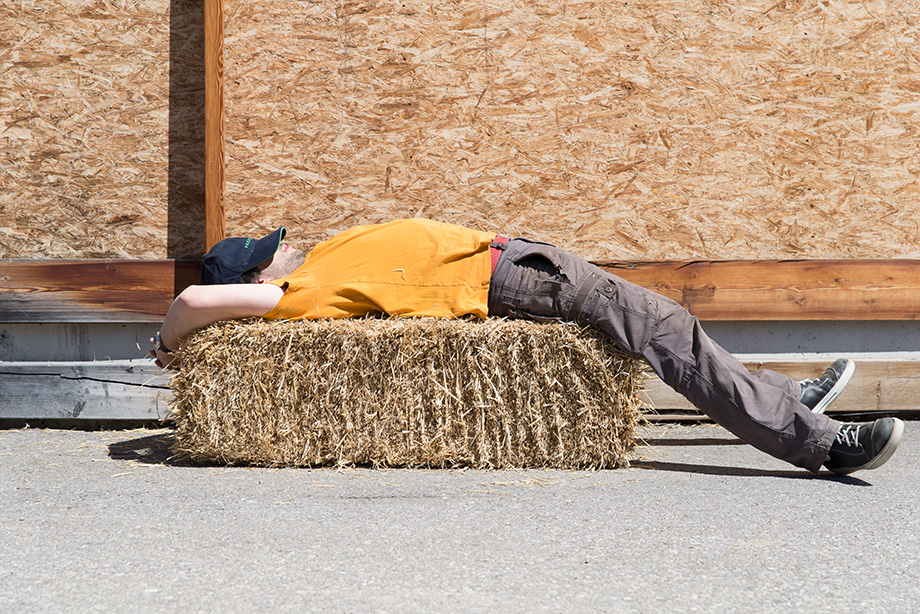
point(419, 267)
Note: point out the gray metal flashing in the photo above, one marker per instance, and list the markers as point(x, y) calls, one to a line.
point(127, 341)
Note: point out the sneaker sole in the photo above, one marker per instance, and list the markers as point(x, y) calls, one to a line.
point(834, 392)
point(886, 452)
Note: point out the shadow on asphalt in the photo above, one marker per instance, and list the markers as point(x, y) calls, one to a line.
point(700, 441)
point(158, 450)
point(150, 450)
point(746, 472)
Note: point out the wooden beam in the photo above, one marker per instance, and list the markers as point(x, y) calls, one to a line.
point(140, 291)
point(752, 290)
point(91, 290)
point(215, 147)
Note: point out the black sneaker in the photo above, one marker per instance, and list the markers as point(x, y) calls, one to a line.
point(865, 445)
point(819, 393)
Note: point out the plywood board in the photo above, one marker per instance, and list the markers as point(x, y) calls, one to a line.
point(101, 131)
point(648, 130)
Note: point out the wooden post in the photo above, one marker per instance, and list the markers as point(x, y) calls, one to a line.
point(215, 162)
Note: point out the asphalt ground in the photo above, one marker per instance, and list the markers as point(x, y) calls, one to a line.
point(106, 522)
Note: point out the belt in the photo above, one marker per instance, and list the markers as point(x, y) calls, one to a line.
point(495, 250)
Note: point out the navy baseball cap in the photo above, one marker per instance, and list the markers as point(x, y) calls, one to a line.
point(230, 258)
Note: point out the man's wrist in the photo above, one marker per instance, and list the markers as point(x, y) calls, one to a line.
point(161, 347)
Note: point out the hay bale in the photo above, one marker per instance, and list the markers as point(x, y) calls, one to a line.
point(406, 392)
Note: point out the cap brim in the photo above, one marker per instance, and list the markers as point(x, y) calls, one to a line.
point(264, 249)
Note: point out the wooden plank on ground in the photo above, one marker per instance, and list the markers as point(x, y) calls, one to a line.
point(882, 385)
point(139, 391)
point(83, 391)
point(752, 290)
point(92, 290)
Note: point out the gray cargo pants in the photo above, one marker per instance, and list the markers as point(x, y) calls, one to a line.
point(538, 281)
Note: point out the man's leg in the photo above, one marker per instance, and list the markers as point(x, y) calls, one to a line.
point(539, 281)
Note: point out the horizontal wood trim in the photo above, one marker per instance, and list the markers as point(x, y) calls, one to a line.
point(133, 391)
point(92, 290)
point(752, 290)
point(84, 391)
point(740, 290)
point(879, 385)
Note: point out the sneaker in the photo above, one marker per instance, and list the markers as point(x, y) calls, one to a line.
point(864, 445)
point(819, 393)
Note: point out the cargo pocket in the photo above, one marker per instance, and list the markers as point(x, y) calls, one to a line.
point(557, 259)
point(626, 313)
point(541, 278)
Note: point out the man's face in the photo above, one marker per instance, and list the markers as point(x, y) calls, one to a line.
point(283, 263)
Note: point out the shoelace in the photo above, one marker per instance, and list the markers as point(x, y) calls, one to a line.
point(818, 381)
point(848, 435)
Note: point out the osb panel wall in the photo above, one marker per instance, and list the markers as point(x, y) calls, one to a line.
point(668, 129)
point(96, 158)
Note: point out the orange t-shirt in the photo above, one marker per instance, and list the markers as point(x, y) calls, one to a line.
point(410, 267)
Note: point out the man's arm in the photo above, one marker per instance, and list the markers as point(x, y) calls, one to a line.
point(198, 306)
